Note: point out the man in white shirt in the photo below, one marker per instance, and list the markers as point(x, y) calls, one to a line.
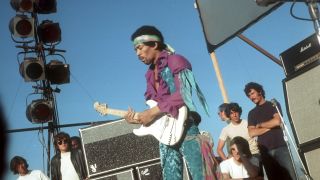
point(19, 165)
point(236, 127)
point(242, 164)
point(67, 164)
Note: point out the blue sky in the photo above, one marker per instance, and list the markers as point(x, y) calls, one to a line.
point(104, 67)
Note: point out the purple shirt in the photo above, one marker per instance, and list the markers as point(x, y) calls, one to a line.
point(167, 102)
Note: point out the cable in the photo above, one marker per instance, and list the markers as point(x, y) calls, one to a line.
point(44, 147)
point(85, 90)
point(14, 99)
point(296, 17)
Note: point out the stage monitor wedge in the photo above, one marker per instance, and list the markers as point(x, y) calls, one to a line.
point(223, 19)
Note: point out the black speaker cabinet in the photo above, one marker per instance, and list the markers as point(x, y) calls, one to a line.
point(302, 93)
point(150, 171)
point(112, 146)
point(122, 175)
point(153, 171)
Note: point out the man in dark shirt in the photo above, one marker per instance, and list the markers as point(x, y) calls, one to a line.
point(264, 121)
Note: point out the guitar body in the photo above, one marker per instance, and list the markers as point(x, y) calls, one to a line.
point(166, 129)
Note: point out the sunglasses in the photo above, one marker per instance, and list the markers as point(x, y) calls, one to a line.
point(63, 141)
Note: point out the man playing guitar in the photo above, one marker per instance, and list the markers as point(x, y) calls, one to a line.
point(169, 82)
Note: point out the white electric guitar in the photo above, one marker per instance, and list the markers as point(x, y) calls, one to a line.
point(166, 129)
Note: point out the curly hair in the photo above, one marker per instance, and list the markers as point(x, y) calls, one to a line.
point(60, 136)
point(233, 107)
point(255, 86)
point(149, 30)
point(15, 161)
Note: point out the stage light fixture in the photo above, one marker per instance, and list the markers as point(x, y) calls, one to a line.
point(22, 26)
point(32, 69)
point(49, 32)
point(57, 72)
point(22, 5)
point(46, 6)
point(39, 111)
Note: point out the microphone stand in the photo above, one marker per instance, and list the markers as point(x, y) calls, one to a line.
point(314, 14)
point(286, 134)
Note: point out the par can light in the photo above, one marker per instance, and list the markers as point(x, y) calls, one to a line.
point(46, 6)
point(32, 69)
point(57, 72)
point(39, 111)
point(22, 26)
point(22, 5)
point(49, 32)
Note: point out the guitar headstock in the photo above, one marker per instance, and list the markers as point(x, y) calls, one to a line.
point(101, 108)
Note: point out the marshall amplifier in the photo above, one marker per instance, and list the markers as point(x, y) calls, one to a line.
point(301, 56)
point(112, 146)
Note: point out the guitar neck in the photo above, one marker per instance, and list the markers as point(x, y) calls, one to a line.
point(120, 113)
point(116, 112)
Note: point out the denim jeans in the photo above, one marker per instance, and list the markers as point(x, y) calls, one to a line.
point(278, 163)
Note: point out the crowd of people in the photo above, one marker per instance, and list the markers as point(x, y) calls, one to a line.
point(261, 150)
point(256, 148)
point(67, 163)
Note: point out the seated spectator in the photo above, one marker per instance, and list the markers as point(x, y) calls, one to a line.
point(19, 165)
point(242, 164)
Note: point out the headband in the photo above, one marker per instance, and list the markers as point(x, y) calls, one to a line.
point(149, 38)
point(145, 38)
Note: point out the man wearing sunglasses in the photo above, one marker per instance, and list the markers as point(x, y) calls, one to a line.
point(68, 163)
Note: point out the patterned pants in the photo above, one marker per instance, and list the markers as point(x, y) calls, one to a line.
point(189, 149)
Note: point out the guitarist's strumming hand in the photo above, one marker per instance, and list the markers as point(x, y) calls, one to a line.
point(144, 117)
point(131, 116)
